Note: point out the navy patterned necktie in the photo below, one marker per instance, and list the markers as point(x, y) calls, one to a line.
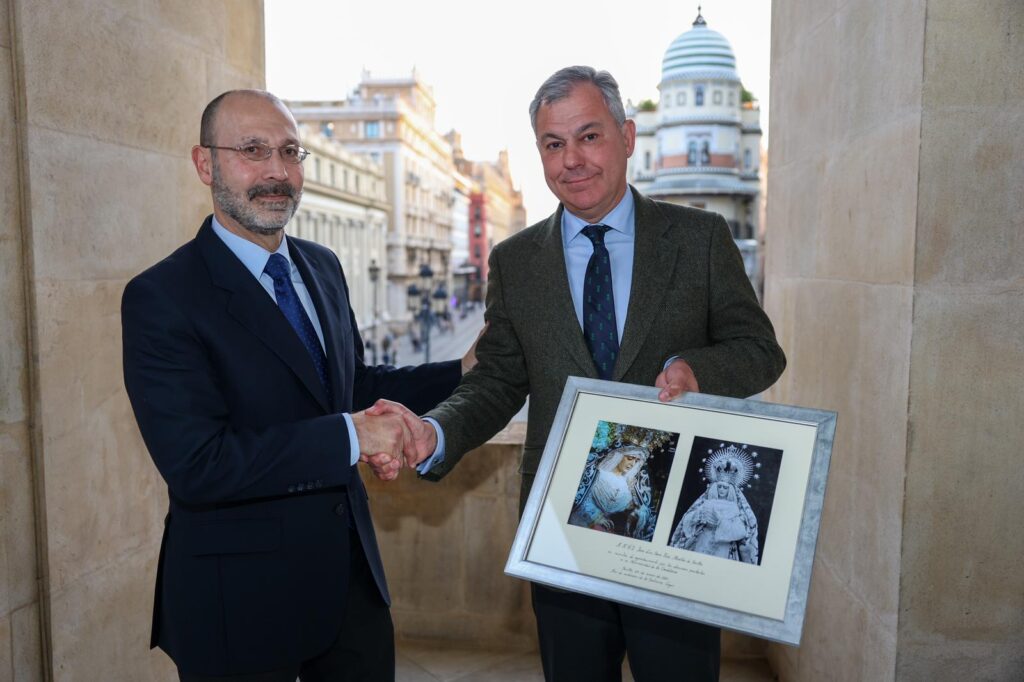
point(599, 328)
point(288, 301)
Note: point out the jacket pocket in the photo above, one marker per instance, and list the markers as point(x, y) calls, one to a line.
point(232, 536)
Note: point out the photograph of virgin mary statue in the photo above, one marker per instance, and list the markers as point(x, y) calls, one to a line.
point(729, 516)
point(623, 480)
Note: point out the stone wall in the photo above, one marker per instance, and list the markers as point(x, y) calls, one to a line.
point(894, 275)
point(961, 585)
point(20, 644)
point(444, 547)
point(108, 97)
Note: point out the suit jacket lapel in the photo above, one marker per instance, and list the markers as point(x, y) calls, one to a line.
point(250, 305)
point(325, 296)
point(557, 302)
point(654, 262)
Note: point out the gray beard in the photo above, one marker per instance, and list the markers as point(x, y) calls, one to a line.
point(263, 222)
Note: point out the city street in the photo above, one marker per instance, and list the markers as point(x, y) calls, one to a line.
point(444, 345)
point(447, 345)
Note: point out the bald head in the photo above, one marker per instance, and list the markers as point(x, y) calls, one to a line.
point(208, 124)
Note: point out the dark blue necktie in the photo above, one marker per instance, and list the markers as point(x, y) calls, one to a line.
point(599, 328)
point(288, 301)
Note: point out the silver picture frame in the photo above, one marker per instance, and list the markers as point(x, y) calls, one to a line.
point(705, 508)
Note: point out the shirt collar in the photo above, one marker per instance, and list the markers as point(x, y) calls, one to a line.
point(620, 218)
point(253, 256)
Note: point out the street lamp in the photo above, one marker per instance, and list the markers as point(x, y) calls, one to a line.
point(374, 270)
point(427, 279)
point(440, 297)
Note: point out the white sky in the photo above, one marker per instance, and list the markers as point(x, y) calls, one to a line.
point(486, 60)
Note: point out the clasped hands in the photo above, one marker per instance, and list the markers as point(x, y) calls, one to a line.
point(392, 436)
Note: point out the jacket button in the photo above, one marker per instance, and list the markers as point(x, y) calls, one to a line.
point(340, 509)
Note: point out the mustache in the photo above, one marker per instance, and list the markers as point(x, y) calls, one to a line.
point(275, 189)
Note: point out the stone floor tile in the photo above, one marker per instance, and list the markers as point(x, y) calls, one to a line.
point(448, 663)
point(444, 662)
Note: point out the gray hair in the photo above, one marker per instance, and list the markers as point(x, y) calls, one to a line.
point(561, 83)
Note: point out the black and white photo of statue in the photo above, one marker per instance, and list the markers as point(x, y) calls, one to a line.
point(623, 480)
point(721, 521)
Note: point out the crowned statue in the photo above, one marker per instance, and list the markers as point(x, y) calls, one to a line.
point(720, 522)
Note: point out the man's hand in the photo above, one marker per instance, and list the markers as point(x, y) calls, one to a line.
point(676, 379)
point(469, 359)
point(381, 434)
point(422, 438)
point(384, 466)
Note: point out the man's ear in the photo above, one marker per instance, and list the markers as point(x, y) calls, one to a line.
point(202, 159)
point(629, 136)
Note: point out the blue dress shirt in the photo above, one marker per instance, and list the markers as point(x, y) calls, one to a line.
point(254, 257)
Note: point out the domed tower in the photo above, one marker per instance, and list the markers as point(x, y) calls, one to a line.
point(707, 142)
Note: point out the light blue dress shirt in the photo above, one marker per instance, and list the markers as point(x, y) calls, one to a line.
point(254, 257)
point(619, 240)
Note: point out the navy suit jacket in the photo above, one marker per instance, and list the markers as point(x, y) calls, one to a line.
point(253, 569)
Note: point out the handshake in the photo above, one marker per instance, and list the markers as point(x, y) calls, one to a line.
point(392, 436)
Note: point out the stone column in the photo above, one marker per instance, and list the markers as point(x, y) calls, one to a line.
point(895, 274)
point(101, 104)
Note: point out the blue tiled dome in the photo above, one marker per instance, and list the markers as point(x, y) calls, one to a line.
point(699, 53)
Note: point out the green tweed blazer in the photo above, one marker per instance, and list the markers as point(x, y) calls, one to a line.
point(690, 297)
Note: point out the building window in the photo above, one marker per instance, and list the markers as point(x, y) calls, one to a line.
point(333, 176)
point(476, 230)
point(705, 153)
point(691, 153)
point(716, 97)
point(732, 98)
point(372, 129)
point(746, 159)
point(316, 169)
point(647, 160)
point(681, 98)
point(668, 100)
point(698, 95)
point(476, 250)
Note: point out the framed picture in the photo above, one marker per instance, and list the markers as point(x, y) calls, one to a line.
point(706, 508)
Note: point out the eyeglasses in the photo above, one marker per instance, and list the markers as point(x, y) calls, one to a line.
point(257, 151)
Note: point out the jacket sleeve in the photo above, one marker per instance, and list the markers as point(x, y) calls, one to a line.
point(742, 356)
point(184, 417)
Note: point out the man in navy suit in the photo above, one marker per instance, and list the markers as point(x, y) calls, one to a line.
point(245, 371)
